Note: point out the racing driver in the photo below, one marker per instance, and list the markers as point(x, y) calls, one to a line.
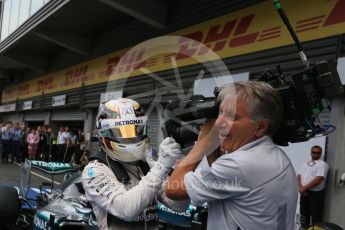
point(122, 180)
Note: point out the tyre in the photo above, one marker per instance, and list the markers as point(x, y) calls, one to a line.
point(9, 205)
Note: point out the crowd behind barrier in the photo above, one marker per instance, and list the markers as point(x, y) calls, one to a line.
point(19, 142)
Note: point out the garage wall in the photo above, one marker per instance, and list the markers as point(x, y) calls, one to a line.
point(34, 116)
point(14, 117)
point(67, 115)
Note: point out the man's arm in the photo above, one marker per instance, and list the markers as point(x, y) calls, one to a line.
point(317, 180)
point(176, 205)
point(206, 144)
point(102, 187)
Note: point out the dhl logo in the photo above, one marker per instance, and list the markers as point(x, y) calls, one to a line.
point(24, 89)
point(247, 30)
point(219, 37)
point(75, 76)
point(44, 84)
point(233, 33)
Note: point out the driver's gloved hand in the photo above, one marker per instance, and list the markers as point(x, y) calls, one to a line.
point(169, 153)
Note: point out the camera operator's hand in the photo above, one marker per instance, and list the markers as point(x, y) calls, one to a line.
point(209, 134)
point(169, 153)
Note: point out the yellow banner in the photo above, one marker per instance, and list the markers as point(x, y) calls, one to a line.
point(248, 30)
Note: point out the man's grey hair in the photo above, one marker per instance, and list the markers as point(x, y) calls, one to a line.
point(264, 102)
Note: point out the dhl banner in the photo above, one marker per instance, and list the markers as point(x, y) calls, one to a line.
point(248, 30)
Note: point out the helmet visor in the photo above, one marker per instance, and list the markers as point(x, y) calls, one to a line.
point(126, 133)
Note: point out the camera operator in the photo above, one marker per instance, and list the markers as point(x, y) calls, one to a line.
point(120, 186)
point(250, 182)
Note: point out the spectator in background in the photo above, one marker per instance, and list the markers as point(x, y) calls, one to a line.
point(1, 139)
point(42, 143)
point(61, 144)
point(24, 142)
point(15, 145)
point(6, 142)
point(10, 151)
point(311, 184)
point(79, 147)
point(68, 136)
point(33, 140)
point(49, 135)
point(69, 145)
point(38, 131)
point(74, 137)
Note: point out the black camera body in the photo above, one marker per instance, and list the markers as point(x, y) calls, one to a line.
point(184, 118)
point(304, 95)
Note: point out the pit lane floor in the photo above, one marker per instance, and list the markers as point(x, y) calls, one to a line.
point(10, 175)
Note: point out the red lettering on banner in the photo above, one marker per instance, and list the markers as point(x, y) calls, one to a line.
point(140, 55)
point(75, 76)
point(214, 35)
point(24, 87)
point(242, 28)
point(217, 38)
point(140, 65)
point(270, 33)
point(130, 61)
point(309, 23)
point(111, 63)
point(337, 14)
point(189, 47)
point(243, 25)
point(168, 58)
point(24, 90)
point(243, 40)
point(204, 49)
point(128, 58)
point(151, 62)
point(131, 57)
point(44, 84)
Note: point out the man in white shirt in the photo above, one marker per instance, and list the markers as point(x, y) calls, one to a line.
point(61, 144)
point(60, 137)
point(311, 184)
point(250, 183)
point(69, 145)
point(67, 136)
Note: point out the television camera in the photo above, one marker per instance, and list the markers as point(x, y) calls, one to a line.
point(305, 94)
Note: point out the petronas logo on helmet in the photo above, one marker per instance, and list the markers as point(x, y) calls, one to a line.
point(130, 122)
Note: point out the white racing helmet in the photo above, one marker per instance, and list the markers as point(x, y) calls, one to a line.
point(122, 129)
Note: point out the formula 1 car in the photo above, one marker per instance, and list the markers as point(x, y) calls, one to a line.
point(66, 207)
